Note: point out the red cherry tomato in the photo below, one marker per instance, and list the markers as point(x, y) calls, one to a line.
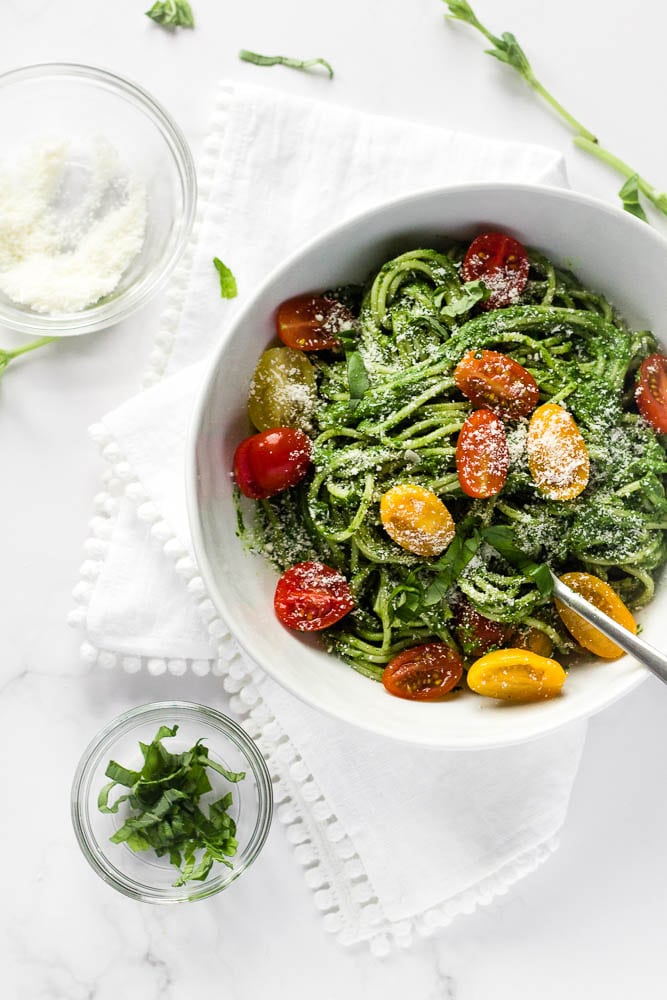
point(423, 673)
point(270, 462)
point(651, 393)
point(311, 596)
point(482, 454)
point(492, 380)
point(477, 634)
point(502, 264)
point(312, 322)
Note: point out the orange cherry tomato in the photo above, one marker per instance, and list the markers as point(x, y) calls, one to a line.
point(476, 633)
point(502, 264)
point(557, 455)
point(606, 599)
point(416, 519)
point(311, 596)
point(312, 322)
point(535, 640)
point(651, 393)
point(492, 380)
point(516, 675)
point(423, 673)
point(270, 462)
point(482, 454)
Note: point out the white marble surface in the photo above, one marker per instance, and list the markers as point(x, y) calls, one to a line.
point(591, 923)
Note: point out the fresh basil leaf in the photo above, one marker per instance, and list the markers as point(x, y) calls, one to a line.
point(172, 14)
point(302, 64)
point(103, 799)
point(470, 294)
point(357, 376)
point(165, 795)
point(501, 538)
point(122, 775)
point(228, 287)
point(458, 554)
point(629, 195)
point(229, 775)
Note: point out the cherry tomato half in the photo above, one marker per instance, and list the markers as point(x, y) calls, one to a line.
point(502, 264)
point(492, 380)
point(516, 675)
point(476, 633)
point(482, 454)
point(651, 393)
point(311, 596)
point(557, 454)
point(602, 596)
point(416, 519)
point(270, 462)
point(423, 673)
point(312, 322)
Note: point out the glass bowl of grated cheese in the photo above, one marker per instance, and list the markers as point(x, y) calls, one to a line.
point(98, 192)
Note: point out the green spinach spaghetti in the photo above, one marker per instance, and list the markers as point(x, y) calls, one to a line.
point(428, 443)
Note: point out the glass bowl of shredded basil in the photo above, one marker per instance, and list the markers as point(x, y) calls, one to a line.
point(171, 802)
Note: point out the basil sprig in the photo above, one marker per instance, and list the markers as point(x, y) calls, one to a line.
point(506, 49)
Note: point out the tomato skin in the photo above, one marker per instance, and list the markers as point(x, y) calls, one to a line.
point(482, 455)
point(312, 322)
point(272, 461)
point(416, 519)
point(606, 599)
point(311, 596)
point(651, 393)
point(557, 454)
point(476, 633)
point(516, 675)
point(492, 380)
point(423, 673)
point(502, 264)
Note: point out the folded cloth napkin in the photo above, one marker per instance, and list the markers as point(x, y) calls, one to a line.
point(393, 839)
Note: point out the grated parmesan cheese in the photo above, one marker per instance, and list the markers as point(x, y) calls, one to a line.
point(72, 222)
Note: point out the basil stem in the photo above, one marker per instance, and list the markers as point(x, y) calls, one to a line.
point(507, 49)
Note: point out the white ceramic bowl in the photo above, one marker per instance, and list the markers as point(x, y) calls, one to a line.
point(609, 250)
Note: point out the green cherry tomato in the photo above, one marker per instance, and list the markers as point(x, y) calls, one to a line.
point(282, 391)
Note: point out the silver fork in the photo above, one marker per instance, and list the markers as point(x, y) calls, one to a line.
point(641, 650)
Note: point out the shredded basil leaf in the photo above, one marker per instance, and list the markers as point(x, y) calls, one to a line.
point(501, 538)
point(357, 376)
point(629, 195)
point(172, 14)
point(471, 293)
point(167, 817)
point(302, 64)
point(228, 288)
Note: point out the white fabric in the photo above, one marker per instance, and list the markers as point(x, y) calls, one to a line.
point(393, 839)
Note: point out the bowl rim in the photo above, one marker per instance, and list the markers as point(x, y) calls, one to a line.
point(98, 317)
point(101, 744)
point(191, 477)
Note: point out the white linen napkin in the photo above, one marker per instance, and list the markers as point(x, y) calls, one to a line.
point(393, 839)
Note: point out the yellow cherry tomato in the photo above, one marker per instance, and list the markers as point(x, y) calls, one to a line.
point(557, 455)
point(516, 675)
point(416, 519)
point(606, 599)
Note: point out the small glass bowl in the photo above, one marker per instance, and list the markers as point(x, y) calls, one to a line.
point(142, 875)
point(83, 104)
